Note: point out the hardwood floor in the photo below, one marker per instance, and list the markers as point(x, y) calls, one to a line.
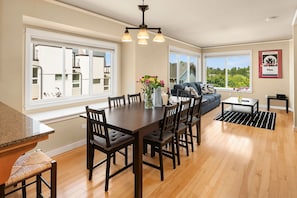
point(233, 161)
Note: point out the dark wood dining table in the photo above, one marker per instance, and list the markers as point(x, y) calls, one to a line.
point(135, 120)
point(18, 134)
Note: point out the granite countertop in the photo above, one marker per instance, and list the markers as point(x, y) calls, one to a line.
point(16, 127)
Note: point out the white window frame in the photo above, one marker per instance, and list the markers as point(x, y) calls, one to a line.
point(177, 50)
point(67, 39)
point(229, 53)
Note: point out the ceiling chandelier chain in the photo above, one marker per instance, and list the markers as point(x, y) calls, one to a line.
point(143, 35)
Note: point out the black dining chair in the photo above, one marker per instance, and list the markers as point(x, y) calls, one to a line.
point(106, 140)
point(195, 120)
point(132, 98)
point(181, 138)
point(162, 137)
point(116, 101)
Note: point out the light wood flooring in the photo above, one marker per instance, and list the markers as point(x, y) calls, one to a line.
point(233, 161)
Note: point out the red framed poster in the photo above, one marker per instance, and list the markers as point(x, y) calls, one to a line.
point(270, 64)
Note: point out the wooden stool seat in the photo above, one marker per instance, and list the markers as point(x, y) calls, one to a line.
point(30, 165)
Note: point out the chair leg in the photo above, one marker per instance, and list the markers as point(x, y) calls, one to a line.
point(191, 137)
point(161, 163)
point(126, 156)
point(177, 148)
point(114, 158)
point(91, 165)
point(187, 143)
point(198, 131)
point(107, 172)
point(54, 180)
point(173, 153)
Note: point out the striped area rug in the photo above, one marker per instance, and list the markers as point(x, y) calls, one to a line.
point(263, 119)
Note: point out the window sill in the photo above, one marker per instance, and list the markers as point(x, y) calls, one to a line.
point(64, 114)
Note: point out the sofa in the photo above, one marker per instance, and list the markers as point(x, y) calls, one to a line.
point(210, 98)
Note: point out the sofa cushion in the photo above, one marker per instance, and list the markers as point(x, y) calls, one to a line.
point(209, 97)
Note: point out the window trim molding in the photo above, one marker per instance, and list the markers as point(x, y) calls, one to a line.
point(229, 53)
point(64, 38)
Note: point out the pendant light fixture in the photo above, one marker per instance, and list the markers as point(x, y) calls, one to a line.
point(142, 34)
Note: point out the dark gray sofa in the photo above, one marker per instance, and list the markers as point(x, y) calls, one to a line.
point(209, 101)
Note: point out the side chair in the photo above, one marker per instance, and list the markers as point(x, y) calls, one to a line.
point(116, 101)
point(162, 137)
point(29, 166)
point(105, 140)
point(181, 127)
point(195, 119)
point(134, 98)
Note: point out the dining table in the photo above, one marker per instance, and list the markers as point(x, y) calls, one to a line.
point(18, 135)
point(135, 120)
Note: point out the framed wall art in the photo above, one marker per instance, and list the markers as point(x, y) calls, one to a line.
point(270, 64)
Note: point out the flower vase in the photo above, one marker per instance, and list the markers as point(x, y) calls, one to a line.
point(157, 99)
point(148, 101)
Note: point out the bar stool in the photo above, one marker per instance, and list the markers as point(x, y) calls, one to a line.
point(28, 166)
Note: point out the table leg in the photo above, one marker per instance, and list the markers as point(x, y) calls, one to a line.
point(138, 147)
point(268, 104)
point(287, 105)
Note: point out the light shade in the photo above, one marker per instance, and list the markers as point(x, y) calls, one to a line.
point(126, 37)
point(159, 38)
point(142, 34)
point(142, 41)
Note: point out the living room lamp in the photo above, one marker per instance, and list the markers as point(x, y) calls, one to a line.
point(142, 34)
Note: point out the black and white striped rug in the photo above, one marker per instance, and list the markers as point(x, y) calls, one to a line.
point(263, 119)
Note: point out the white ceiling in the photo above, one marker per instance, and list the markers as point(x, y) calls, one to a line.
point(205, 23)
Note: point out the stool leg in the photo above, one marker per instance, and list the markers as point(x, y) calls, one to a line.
point(38, 186)
point(24, 194)
point(54, 180)
point(2, 188)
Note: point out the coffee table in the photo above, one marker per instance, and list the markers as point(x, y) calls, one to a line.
point(247, 105)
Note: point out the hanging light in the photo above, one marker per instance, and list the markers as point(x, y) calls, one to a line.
point(159, 38)
point(126, 37)
point(143, 30)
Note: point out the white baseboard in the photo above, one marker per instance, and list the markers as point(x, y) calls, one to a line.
point(66, 148)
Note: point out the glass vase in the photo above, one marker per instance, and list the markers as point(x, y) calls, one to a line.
point(148, 101)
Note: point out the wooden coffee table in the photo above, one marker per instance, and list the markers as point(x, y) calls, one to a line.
point(247, 105)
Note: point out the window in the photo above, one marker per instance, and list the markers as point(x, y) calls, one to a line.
point(183, 66)
point(229, 70)
point(62, 68)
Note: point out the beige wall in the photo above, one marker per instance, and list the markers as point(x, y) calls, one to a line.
point(263, 86)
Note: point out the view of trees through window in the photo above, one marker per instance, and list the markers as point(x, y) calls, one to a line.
point(232, 71)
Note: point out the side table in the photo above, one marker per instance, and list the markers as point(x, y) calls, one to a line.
point(277, 98)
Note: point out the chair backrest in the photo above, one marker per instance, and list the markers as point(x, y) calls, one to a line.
point(116, 101)
point(133, 98)
point(169, 119)
point(183, 94)
point(183, 113)
point(97, 125)
point(195, 108)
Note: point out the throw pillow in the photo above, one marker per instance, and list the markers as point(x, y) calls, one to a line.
point(210, 88)
point(204, 89)
point(193, 92)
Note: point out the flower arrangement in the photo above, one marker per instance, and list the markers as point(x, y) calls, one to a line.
point(149, 83)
